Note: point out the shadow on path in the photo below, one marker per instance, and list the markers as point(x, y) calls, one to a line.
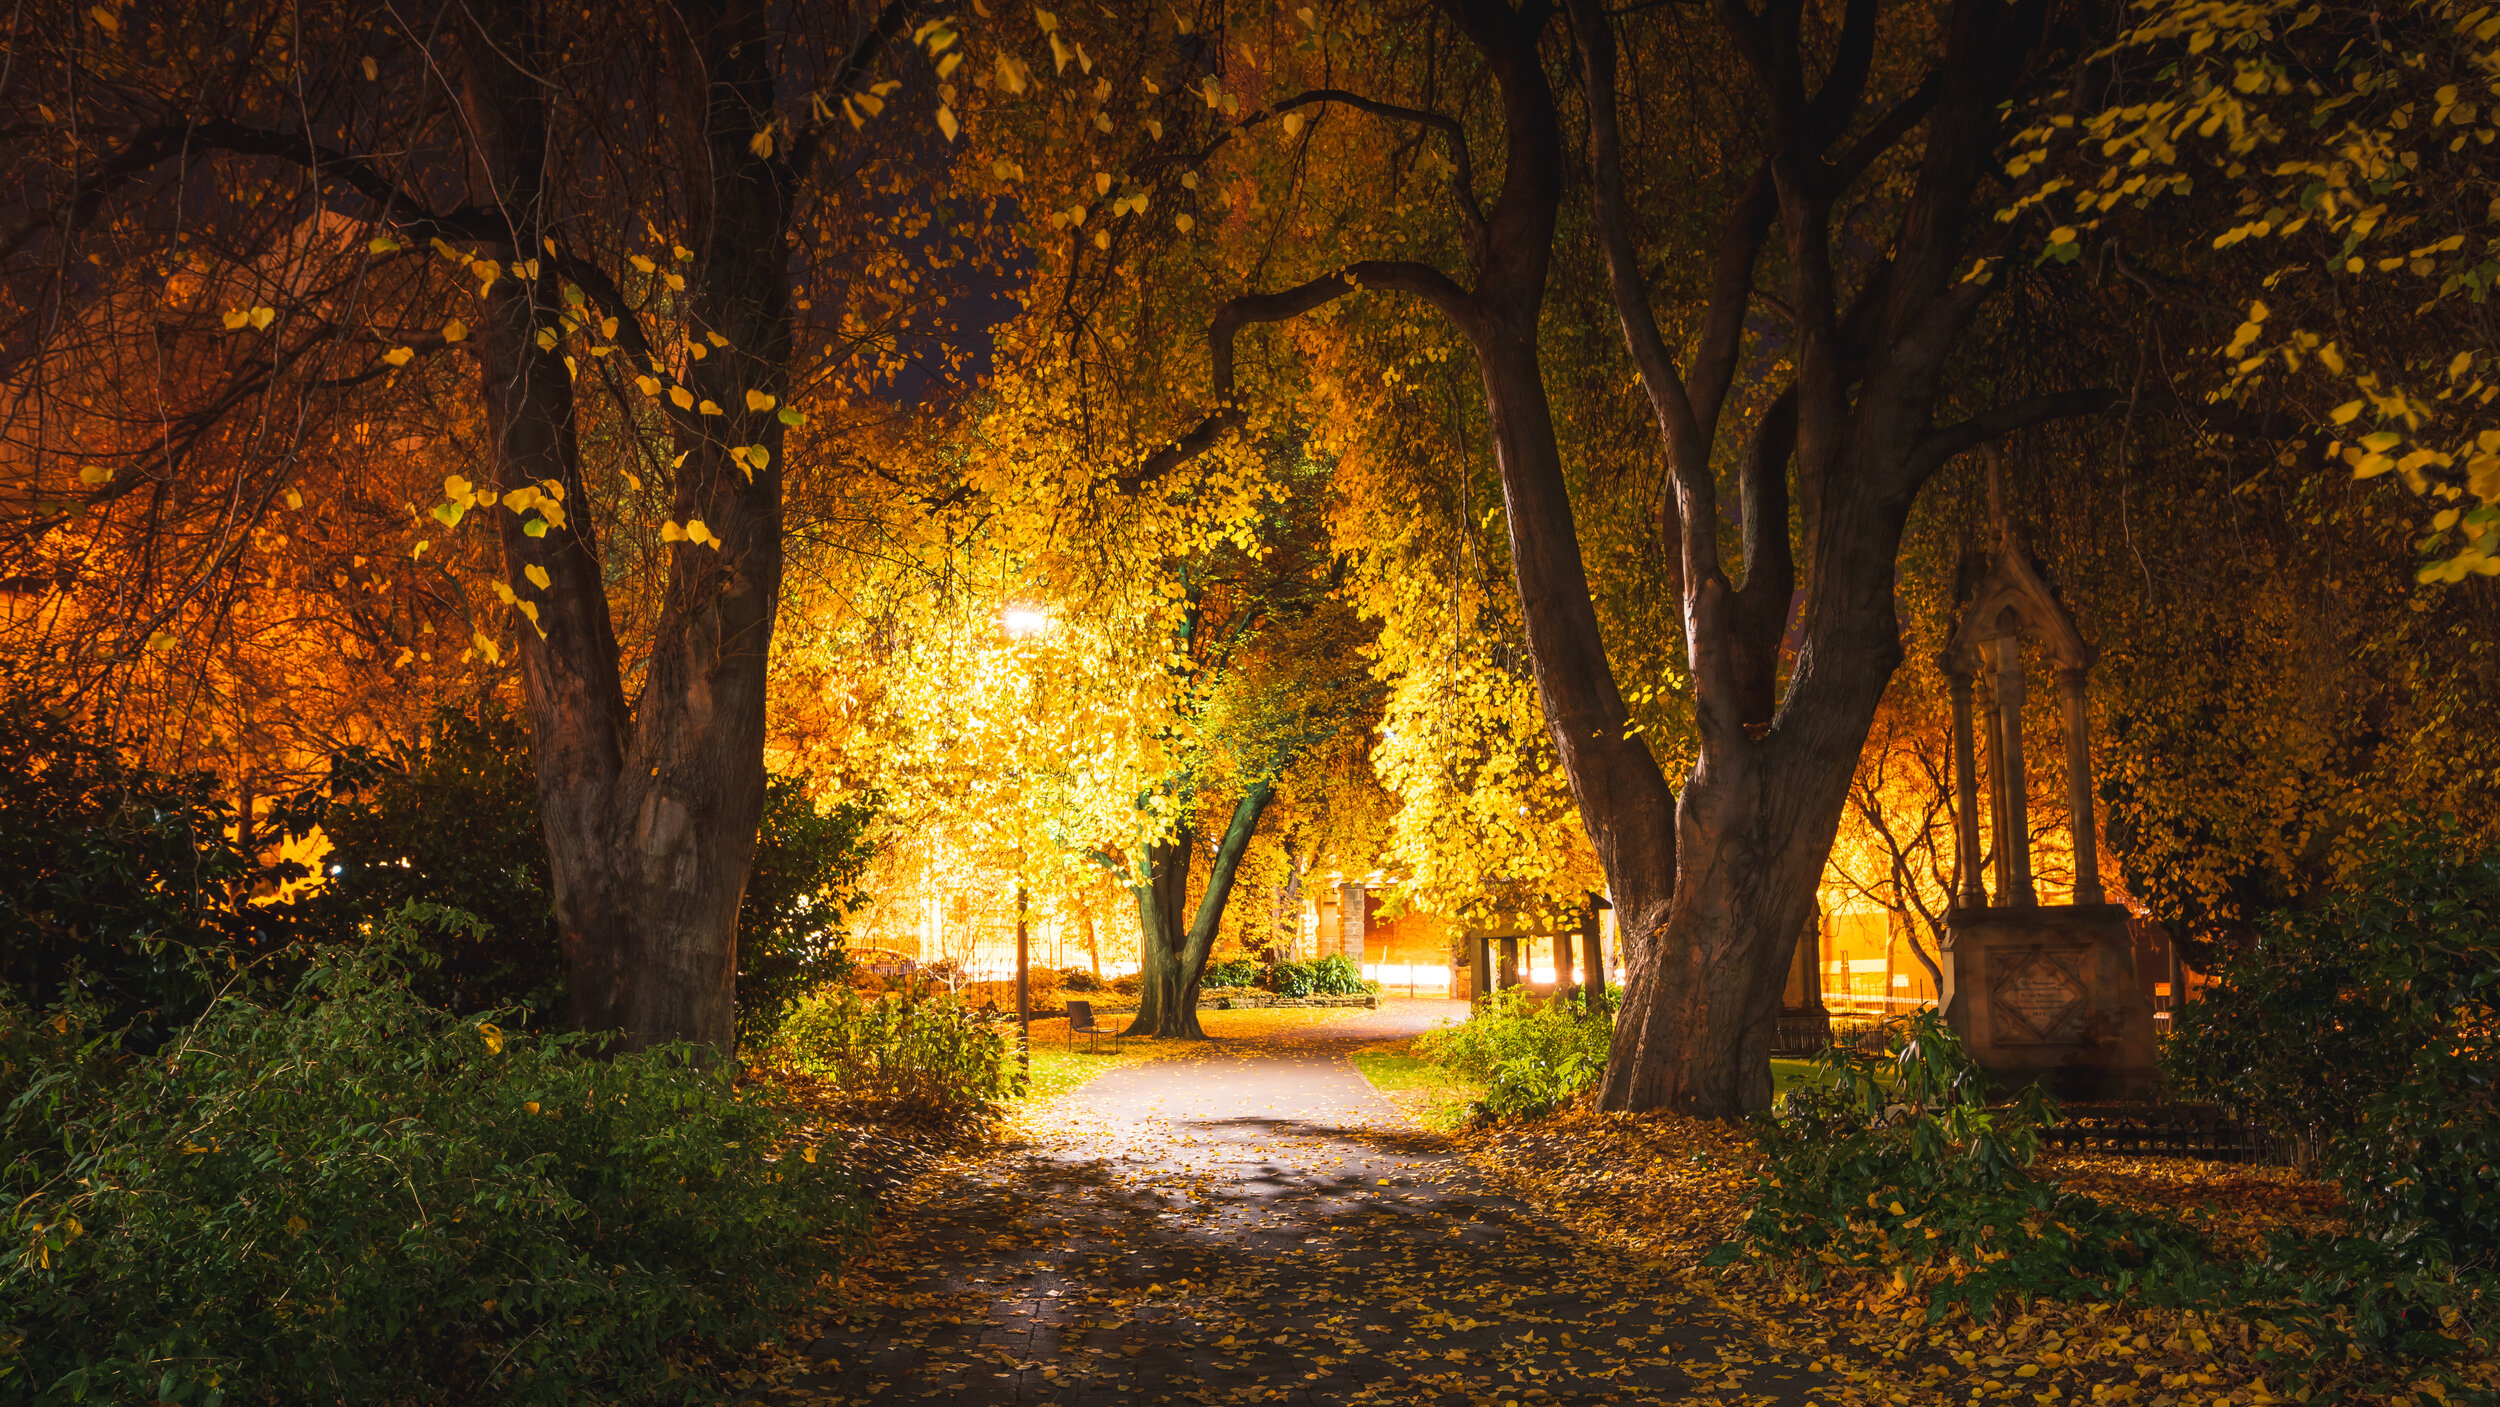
point(1257, 1225)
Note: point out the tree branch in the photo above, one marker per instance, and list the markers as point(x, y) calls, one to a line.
point(1390, 275)
point(1940, 445)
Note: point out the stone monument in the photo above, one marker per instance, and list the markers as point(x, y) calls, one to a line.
point(2037, 991)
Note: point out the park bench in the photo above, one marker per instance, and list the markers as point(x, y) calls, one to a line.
point(1081, 1023)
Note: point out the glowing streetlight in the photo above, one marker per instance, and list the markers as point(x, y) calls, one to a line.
point(1024, 620)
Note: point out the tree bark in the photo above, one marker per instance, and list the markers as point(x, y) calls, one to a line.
point(1173, 958)
point(650, 808)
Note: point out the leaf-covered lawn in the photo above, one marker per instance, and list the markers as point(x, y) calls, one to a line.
point(1666, 1190)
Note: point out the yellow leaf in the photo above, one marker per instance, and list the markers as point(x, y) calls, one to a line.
point(642, 263)
point(1183, 222)
point(537, 575)
point(492, 1034)
point(399, 356)
point(677, 282)
point(372, 70)
point(260, 318)
point(761, 143)
point(1293, 123)
point(759, 400)
point(296, 1225)
point(381, 244)
point(294, 499)
point(946, 121)
point(648, 385)
point(698, 533)
point(683, 397)
point(708, 408)
point(546, 339)
point(529, 1106)
point(670, 532)
point(106, 20)
point(455, 330)
point(2344, 413)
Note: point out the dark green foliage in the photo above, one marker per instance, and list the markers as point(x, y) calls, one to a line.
point(918, 1056)
point(1333, 975)
point(806, 879)
point(454, 821)
point(1240, 972)
point(1531, 1056)
point(111, 875)
point(1892, 1157)
point(2371, 1022)
point(349, 1195)
point(1892, 1161)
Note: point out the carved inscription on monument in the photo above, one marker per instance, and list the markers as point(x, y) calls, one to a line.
point(2035, 992)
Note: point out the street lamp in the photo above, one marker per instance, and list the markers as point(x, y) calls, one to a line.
point(1022, 622)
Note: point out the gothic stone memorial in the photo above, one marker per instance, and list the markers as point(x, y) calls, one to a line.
point(2037, 991)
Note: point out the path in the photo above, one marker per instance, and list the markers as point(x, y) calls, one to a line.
point(1257, 1224)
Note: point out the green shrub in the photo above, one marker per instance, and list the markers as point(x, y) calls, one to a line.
point(1531, 1056)
point(920, 1055)
point(1333, 975)
point(2372, 1022)
point(1892, 1159)
point(808, 863)
point(393, 847)
point(1080, 980)
point(348, 1194)
point(112, 876)
point(1240, 972)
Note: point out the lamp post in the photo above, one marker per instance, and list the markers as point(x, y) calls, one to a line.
point(1020, 622)
point(1024, 986)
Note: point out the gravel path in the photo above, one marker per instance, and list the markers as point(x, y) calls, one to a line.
point(1257, 1224)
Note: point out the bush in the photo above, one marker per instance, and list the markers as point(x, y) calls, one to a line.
point(348, 1194)
point(1239, 972)
point(921, 1056)
point(392, 847)
point(112, 876)
point(1893, 1160)
point(808, 864)
point(2373, 1022)
point(1334, 975)
point(1080, 980)
point(1532, 1057)
point(1128, 984)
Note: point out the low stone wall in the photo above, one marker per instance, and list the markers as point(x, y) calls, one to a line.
point(1221, 999)
point(1240, 998)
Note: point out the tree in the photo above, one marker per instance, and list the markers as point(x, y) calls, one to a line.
point(532, 156)
point(1712, 884)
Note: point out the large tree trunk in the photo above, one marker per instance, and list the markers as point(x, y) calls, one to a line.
point(650, 809)
point(1173, 958)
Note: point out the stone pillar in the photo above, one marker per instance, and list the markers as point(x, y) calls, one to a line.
point(1974, 893)
point(1994, 718)
point(1351, 912)
point(1592, 959)
point(2070, 684)
point(1510, 961)
point(2014, 879)
point(1562, 962)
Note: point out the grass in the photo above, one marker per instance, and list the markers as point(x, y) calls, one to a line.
point(1059, 1067)
point(1428, 1094)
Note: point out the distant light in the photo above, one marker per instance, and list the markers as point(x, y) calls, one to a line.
point(1024, 620)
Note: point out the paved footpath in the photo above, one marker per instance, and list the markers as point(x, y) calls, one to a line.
point(1256, 1224)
